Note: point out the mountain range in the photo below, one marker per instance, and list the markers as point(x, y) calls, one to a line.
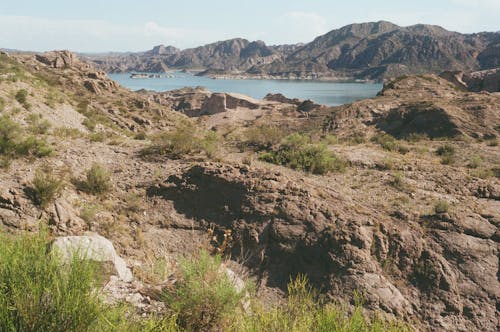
point(366, 51)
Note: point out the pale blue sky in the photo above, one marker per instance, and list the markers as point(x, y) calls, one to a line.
point(125, 25)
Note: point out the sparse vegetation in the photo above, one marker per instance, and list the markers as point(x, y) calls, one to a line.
point(13, 142)
point(22, 97)
point(37, 124)
point(297, 152)
point(475, 162)
point(184, 140)
point(447, 154)
point(389, 143)
point(47, 186)
point(40, 293)
point(263, 137)
point(64, 132)
point(98, 180)
point(204, 297)
point(441, 207)
point(305, 310)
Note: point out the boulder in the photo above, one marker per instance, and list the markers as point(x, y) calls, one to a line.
point(95, 248)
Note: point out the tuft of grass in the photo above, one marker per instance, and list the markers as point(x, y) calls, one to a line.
point(98, 180)
point(475, 162)
point(389, 143)
point(398, 181)
point(38, 294)
point(297, 152)
point(263, 137)
point(22, 97)
point(204, 298)
point(37, 124)
point(305, 311)
point(447, 154)
point(441, 207)
point(13, 142)
point(186, 139)
point(47, 186)
point(65, 132)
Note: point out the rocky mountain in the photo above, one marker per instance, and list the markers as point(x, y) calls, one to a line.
point(371, 51)
point(403, 206)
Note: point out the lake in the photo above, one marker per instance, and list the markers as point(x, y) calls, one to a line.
point(327, 93)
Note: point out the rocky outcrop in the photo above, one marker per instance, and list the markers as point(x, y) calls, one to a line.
point(486, 80)
point(284, 228)
point(426, 105)
point(95, 248)
point(57, 59)
point(215, 104)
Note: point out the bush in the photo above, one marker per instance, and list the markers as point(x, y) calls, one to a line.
point(34, 146)
point(38, 125)
point(475, 162)
point(389, 143)
point(37, 294)
point(22, 96)
point(304, 311)
point(263, 137)
point(46, 186)
point(204, 298)
point(185, 139)
point(441, 207)
point(297, 152)
point(13, 143)
point(98, 180)
point(10, 134)
point(447, 153)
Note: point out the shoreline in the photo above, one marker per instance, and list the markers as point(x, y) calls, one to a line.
point(326, 79)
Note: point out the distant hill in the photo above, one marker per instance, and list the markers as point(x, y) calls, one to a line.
point(374, 51)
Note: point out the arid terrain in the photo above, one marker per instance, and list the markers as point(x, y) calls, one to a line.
point(364, 51)
point(395, 199)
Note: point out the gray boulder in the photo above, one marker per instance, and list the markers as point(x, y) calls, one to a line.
point(95, 248)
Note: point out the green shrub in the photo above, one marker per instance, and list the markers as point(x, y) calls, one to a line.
point(398, 181)
point(47, 186)
point(12, 141)
point(64, 132)
point(204, 298)
point(184, 140)
point(10, 134)
point(90, 124)
point(441, 207)
point(2, 104)
point(475, 162)
point(386, 141)
point(447, 154)
point(38, 294)
point(304, 311)
point(34, 146)
point(98, 180)
point(22, 96)
point(263, 137)
point(297, 152)
point(37, 124)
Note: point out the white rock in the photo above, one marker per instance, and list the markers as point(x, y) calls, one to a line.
point(92, 247)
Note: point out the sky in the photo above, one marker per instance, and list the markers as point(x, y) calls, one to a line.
point(126, 25)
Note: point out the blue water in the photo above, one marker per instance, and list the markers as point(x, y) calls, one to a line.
point(327, 93)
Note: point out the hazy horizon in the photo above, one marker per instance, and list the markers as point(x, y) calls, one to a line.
point(128, 26)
